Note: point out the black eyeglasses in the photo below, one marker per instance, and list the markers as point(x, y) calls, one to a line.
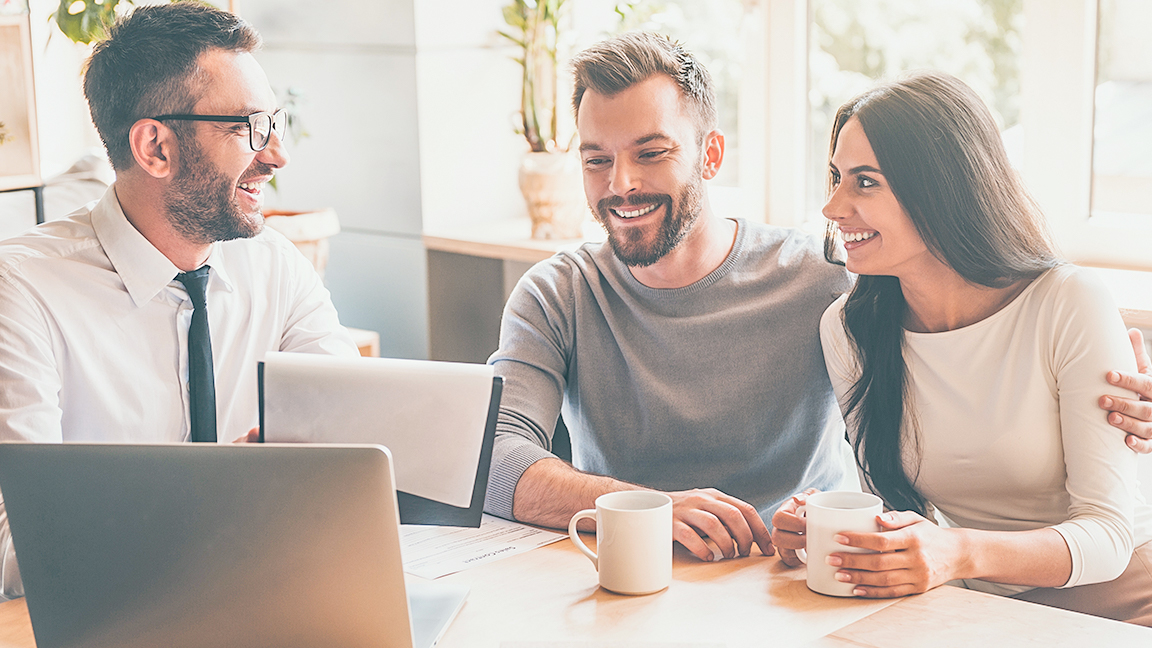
point(261, 125)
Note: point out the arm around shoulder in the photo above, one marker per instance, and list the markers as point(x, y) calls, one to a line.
point(1133, 415)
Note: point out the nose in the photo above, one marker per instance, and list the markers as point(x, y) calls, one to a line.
point(836, 208)
point(624, 179)
point(274, 155)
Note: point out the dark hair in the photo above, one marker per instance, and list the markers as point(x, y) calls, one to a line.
point(941, 153)
point(616, 64)
point(148, 66)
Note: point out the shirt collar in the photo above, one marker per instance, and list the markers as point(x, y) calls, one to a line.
point(144, 270)
point(219, 266)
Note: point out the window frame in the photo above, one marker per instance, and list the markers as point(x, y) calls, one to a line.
point(1058, 68)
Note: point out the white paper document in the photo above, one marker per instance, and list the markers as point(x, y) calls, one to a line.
point(430, 415)
point(435, 551)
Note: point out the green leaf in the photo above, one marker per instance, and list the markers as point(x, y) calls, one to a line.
point(514, 16)
point(512, 38)
point(90, 24)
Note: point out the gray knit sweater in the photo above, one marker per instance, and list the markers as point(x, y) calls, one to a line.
point(718, 384)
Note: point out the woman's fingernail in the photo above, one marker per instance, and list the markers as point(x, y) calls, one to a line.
point(1113, 376)
point(835, 561)
point(1108, 402)
point(843, 577)
point(841, 539)
point(859, 591)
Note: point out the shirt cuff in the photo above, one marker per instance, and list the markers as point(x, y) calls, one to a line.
point(506, 474)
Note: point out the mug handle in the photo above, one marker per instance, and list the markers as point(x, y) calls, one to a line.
point(586, 513)
point(801, 511)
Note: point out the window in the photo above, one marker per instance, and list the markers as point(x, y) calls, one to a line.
point(1049, 117)
point(855, 43)
point(710, 30)
point(1121, 164)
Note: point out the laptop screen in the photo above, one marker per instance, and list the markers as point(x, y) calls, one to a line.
point(207, 545)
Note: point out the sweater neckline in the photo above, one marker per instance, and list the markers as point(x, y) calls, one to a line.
point(734, 256)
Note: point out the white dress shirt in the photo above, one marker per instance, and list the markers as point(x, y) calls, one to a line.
point(94, 333)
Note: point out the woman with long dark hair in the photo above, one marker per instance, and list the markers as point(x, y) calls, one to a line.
point(967, 360)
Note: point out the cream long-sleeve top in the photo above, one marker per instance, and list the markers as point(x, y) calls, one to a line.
point(1009, 435)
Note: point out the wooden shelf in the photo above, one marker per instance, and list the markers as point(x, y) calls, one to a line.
point(508, 239)
point(1132, 290)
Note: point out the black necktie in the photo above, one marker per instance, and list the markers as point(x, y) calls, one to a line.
point(201, 384)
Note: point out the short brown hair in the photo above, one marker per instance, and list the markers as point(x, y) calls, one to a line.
point(616, 64)
point(147, 66)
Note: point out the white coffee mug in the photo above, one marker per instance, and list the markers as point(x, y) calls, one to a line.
point(827, 514)
point(633, 541)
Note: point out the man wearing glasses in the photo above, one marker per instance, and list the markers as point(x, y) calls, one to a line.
point(141, 318)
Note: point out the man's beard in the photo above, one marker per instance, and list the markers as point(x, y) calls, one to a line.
point(679, 216)
point(201, 203)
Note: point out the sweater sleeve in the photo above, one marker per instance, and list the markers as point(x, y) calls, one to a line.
point(1089, 340)
point(533, 360)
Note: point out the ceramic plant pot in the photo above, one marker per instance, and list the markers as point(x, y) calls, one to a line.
point(308, 231)
point(553, 188)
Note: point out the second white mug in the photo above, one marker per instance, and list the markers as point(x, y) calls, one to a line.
point(827, 514)
point(633, 541)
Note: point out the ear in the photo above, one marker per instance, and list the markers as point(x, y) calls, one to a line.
point(153, 146)
point(713, 153)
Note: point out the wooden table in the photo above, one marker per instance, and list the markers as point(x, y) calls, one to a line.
point(950, 617)
point(548, 598)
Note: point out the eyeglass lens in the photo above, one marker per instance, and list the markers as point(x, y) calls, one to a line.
point(263, 124)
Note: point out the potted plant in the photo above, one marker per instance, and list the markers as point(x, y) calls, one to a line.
point(549, 174)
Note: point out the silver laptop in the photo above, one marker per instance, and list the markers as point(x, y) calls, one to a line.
point(215, 545)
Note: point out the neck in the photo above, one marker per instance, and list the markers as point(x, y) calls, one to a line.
point(143, 205)
point(947, 301)
point(703, 250)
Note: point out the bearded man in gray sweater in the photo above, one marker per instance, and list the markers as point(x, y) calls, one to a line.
point(685, 352)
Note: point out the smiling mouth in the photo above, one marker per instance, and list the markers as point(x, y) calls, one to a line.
point(635, 213)
point(251, 187)
point(856, 237)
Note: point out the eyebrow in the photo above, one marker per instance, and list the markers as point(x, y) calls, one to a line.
point(863, 168)
point(652, 137)
point(640, 141)
point(244, 111)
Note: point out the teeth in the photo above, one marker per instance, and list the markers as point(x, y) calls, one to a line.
point(251, 186)
point(634, 214)
point(853, 237)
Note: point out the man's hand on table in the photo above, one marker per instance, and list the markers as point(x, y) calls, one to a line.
point(1133, 416)
point(733, 525)
point(551, 491)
